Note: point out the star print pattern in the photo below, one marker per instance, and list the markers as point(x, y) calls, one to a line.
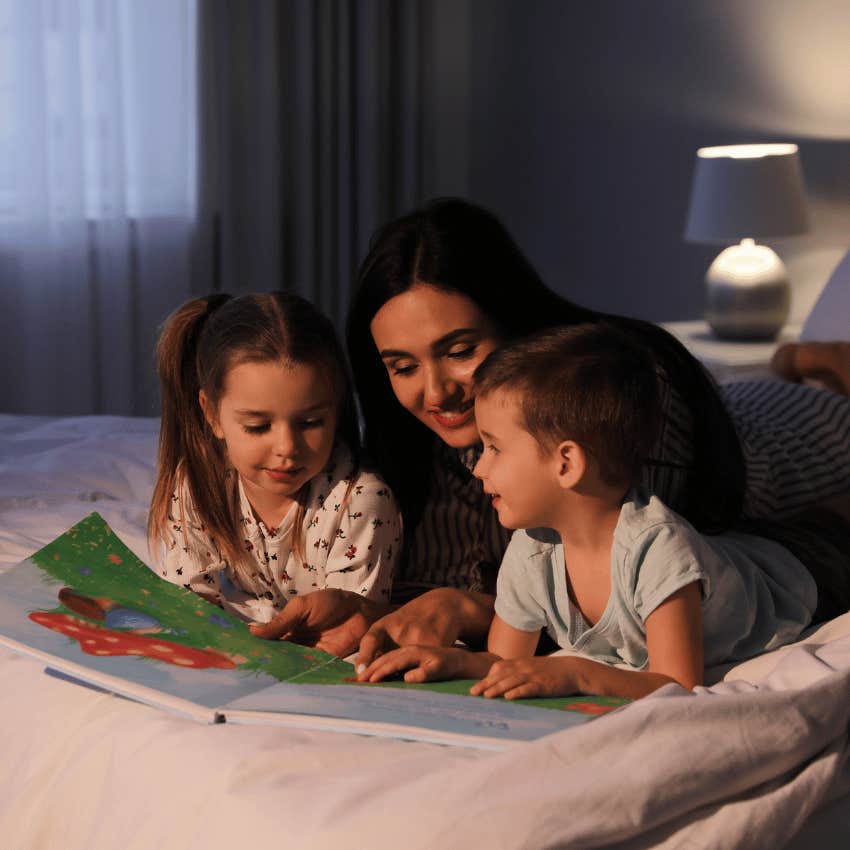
point(352, 537)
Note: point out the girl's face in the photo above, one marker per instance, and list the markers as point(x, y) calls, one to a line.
point(278, 423)
point(431, 341)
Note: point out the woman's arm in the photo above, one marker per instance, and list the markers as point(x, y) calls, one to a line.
point(437, 618)
point(429, 663)
point(674, 644)
point(798, 446)
point(337, 621)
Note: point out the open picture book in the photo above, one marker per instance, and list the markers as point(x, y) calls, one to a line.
point(91, 611)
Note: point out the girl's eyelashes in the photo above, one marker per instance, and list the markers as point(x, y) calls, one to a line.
point(490, 447)
point(314, 422)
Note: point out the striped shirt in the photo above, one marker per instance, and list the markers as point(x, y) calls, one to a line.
point(795, 440)
point(458, 541)
point(796, 443)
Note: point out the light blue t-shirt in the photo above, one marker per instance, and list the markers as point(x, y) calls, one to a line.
point(756, 595)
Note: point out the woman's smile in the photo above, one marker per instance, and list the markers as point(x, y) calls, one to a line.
point(455, 418)
point(431, 340)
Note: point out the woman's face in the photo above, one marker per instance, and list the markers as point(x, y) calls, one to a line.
point(431, 341)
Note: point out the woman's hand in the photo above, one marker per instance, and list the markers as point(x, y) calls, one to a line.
point(427, 664)
point(331, 620)
point(437, 618)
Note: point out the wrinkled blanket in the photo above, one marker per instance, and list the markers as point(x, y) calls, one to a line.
point(744, 763)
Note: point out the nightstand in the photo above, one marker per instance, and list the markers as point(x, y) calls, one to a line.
point(729, 360)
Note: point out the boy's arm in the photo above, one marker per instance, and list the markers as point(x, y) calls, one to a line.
point(507, 642)
point(674, 644)
point(674, 639)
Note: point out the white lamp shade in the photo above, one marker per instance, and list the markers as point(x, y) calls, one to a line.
point(743, 191)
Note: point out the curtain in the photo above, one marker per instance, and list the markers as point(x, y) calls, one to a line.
point(98, 197)
point(321, 120)
point(153, 150)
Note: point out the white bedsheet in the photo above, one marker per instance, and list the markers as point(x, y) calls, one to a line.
point(743, 763)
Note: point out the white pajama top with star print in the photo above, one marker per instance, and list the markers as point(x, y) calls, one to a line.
point(349, 543)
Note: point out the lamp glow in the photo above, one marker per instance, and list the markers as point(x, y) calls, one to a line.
point(747, 151)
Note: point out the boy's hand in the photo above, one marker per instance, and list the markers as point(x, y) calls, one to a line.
point(426, 664)
point(528, 677)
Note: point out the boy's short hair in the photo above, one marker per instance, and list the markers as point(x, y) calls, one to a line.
point(590, 383)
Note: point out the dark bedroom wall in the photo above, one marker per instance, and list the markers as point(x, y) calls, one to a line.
point(585, 118)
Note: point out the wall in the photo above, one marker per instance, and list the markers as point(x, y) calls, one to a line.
point(585, 119)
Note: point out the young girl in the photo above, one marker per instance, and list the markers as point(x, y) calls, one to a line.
point(259, 496)
point(567, 419)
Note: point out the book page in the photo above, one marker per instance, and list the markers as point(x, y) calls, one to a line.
point(416, 713)
point(87, 605)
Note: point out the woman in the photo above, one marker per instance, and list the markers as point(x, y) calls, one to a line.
point(440, 289)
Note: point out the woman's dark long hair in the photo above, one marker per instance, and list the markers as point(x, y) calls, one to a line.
point(460, 247)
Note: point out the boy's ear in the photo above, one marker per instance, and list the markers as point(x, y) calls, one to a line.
point(210, 414)
point(572, 464)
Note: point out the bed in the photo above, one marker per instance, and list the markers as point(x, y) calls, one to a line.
point(757, 759)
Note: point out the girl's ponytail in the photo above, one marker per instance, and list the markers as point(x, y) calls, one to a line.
point(198, 346)
point(185, 445)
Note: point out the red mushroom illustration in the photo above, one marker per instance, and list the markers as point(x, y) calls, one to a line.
point(591, 707)
point(96, 640)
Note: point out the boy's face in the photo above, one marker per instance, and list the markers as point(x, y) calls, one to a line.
point(519, 474)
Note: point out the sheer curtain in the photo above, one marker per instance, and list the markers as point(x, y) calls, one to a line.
point(151, 150)
point(98, 197)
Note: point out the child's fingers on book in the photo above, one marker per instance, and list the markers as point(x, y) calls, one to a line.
point(503, 685)
point(526, 690)
point(284, 625)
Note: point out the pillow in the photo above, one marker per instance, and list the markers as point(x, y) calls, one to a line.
point(829, 320)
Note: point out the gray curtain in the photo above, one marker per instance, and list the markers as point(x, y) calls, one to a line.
point(321, 120)
point(318, 121)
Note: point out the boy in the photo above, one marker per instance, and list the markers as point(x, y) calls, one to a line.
point(567, 419)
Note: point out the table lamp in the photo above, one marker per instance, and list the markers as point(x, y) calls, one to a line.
point(746, 192)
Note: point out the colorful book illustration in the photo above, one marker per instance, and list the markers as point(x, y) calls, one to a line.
point(88, 608)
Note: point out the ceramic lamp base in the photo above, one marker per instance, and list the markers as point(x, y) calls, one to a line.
point(748, 296)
